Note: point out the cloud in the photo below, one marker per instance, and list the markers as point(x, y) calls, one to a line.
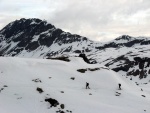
point(101, 20)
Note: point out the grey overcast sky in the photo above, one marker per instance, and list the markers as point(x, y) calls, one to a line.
point(100, 20)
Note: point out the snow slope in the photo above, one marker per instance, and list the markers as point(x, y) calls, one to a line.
point(18, 92)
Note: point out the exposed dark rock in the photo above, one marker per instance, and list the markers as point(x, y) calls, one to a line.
point(32, 46)
point(62, 106)
point(145, 42)
point(82, 70)
point(60, 58)
point(90, 69)
point(90, 93)
point(93, 69)
point(149, 71)
point(60, 111)
point(62, 91)
point(37, 80)
point(131, 43)
point(137, 59)
point(5, 86)
point(143, 95)
point(110, 45)
point(141, 74)
point(77, 51)
point(122, 68)
point(40, 90)
point(52, 102)
point(142, 63)
point(73, 78)
point(84, 58)
point(124, 37)
point(117, 94)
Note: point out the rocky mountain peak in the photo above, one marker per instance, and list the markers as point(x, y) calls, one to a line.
point(38, 36)
point(32, 26)
point(124, 37)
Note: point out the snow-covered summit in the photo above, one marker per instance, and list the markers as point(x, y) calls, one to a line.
point(38, 38)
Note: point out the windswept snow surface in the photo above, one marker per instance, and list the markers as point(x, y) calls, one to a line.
point(18, 92)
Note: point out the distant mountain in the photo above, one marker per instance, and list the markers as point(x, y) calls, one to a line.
point(39, 39)
point(127, 55)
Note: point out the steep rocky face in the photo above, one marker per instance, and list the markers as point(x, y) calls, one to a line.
point(21, 34)
point(136, 66)
point(34, 36)
point(26, 26)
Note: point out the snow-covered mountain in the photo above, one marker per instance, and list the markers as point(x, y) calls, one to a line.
point(26, 84)
point(33, 85)
point(129, 56)
point(39, 39)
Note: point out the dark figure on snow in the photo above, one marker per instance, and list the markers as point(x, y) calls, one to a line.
point(119, 86)
point(87, 85)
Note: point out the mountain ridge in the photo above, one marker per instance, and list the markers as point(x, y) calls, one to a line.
point(35, 38)
point(33, 35)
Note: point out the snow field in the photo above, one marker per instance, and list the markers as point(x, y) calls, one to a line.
point(21, 96)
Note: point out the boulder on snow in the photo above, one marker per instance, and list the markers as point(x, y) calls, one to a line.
point(52, 102)
point(40, 90)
